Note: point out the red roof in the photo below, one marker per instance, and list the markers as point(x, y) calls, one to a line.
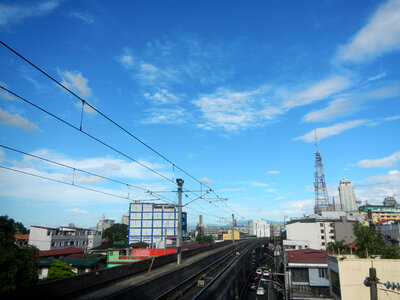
point(307, 256)
point(21, 236)
point(66, 251)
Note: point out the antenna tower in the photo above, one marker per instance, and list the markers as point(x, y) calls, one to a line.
point(321, 193)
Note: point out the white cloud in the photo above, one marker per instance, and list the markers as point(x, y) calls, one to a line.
point(380, 35)
point(12, 14)
point(163, 96)
point(82, 16)
point(126, 59)
point(15, 120)
point(255, 183)
point(78, 211)
point(77, 83)
point(384, 93)
point(232, 111)
point(279, 198)
point(273, 172)
point(4, 94)
point(317, 91)
point(296, 208)
point(336, 108)
point(205, 181)
point(166, 116)
point(374, 189)
point(326, 132)
point(376, 77)
point(385, 162)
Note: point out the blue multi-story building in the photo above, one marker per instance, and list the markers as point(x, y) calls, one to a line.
point(152, 223)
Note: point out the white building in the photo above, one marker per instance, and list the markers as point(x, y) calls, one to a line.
point(318, 233)
point(125, 219)
point(152, 223)
point(259, 228)
point(346, 196)
point(45, 238)
point(103, 224)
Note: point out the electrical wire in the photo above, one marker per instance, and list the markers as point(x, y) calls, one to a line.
point(104, 115)
point(73, 168)
point(87, 134)
point(84, 102)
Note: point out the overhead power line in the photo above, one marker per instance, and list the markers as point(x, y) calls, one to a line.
point(104, 115)
point(87, 134)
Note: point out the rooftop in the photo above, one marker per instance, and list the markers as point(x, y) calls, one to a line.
point(66, 251)
point(307, 256)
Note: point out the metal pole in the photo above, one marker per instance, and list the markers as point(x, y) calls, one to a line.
point(165, 240)
point(233, 227)
point(179, 241)
point(372, 279)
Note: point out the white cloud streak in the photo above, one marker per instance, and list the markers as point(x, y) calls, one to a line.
point(273, 172)
point(13, 14)
point(336, 108)
point(16, 121)
point(385, 162)
point(77, 83)
point(380, 35)
point(325, 132)
point(317, 91)
point(232, 111)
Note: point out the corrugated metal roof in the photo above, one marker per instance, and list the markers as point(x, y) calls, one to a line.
point(66, 251)
point(310, 256)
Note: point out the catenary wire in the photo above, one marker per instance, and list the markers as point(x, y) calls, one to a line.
point(86, 133)
point(103, 115)
point(96, 139)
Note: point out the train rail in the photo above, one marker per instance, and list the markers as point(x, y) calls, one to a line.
point(196, 285)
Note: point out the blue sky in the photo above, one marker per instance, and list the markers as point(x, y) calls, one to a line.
point(229, 91)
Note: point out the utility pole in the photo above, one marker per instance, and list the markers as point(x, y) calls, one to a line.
point(179, 241)
point(233, 227)
point(372, 280)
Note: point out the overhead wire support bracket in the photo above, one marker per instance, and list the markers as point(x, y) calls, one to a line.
point(200, 197)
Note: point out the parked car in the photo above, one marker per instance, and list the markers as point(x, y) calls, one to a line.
point(260, 291)
point(266, 273)
point(259, 271)
point(252, 287)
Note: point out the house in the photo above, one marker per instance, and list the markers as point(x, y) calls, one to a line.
point(307, 274)
point(73, 257)
point(46, 238)
point(347, 274)
point(21, 239)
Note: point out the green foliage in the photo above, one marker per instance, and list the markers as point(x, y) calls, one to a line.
point(19, 266)
point(58, 270)
point(205, 238)
point(338, 247)
point(370, 242)
point(116, 233)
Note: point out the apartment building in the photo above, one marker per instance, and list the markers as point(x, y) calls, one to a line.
point(46, 238)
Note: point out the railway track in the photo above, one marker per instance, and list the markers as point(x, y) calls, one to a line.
point(196, 285)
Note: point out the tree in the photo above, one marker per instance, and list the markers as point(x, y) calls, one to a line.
point(58, 270)
point(116, 233)
point(18, 265)
point(205, 238)
point(338, 247)
point(370, 242)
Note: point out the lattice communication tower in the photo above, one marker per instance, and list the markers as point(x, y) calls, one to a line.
point(321, 193)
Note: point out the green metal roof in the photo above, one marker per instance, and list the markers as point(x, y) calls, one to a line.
point(75, 262)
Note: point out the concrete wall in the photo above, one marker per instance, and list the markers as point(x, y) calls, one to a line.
point(353, 270)
point(316, 233)
point(315, 279)
point(38, 237)
point(64, 287)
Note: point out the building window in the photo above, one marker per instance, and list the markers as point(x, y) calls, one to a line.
point(322, 237)
point(53, 244)
point(66, 243)
point(332, 237)
point(323, 273)
point(323, 243)
point(322, 231)
point(71, 243)
point(299, 275)
point(48, 232)
point(321, 224)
